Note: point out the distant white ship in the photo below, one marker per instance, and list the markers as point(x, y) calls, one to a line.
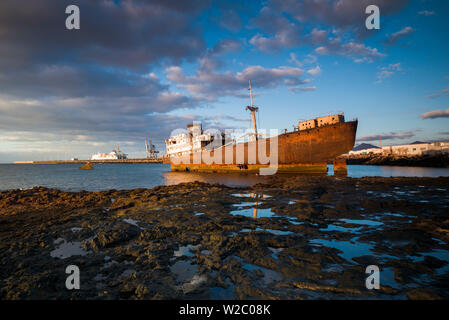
point(114, 155)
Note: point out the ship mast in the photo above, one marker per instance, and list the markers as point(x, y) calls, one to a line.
point(253, 110)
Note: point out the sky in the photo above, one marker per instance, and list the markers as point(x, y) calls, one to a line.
point(138, 69)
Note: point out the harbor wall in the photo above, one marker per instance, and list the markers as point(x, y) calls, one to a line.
point(91, 161)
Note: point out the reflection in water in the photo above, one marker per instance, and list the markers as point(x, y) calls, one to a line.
point(246, 212)
point(229, 179)
point(67, 249)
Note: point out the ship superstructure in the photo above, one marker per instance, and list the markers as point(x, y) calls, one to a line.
point(194, 139)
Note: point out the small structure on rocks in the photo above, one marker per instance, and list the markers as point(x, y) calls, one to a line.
point(87, 166)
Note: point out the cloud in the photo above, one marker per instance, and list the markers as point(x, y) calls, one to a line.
point(298, 89)
point(231, 118)
point(426, 13)
point(317, 36)
point(130, 33)
point(436, 114)
point(211, 85)
point(211, 59)
point(345, 14)
point(388, 71)
point(96, 84)
point(314, 71)
point(230, 20)
point(395, 37)
point(357, 51)
point(433, 96)
point(437, 95)
point(283, 33)
point(309, 59)
point(295, 60)
point(388, 136)
point(281, 24)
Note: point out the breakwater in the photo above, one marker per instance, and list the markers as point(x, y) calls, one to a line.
point(143, 160)
point(434, 161)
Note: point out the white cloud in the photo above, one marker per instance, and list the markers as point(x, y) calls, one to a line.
point(388, 71)
point(436, 114)
point(426, 13)
point(395, 37)
point(357, 51)
point(211, 85)
point(315, 71)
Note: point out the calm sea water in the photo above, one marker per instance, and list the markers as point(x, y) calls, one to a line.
point(129, 176)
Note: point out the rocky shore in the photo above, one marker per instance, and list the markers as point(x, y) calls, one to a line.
point(295, 237)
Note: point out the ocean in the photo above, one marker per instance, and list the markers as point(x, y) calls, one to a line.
point(67, 177)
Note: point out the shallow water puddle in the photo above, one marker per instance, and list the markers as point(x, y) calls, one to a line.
point(132, 222)
point(294, 221)
point(279, 232)
point(251, 195)
point(254, 213)
point(387, 278)
point(438, 254)
point(183, 270)
point(184, 251)
point(243, 204)
point(269, 275)
point(219, 293)
point(350, 249)
point(67, 249)
point(334, 227)
point(400, 215)
point(275, 252)
point(194, 283)
point(76, 229)
point(272, 231)
point(363, 222)
point(199, 213)
point(333, 268)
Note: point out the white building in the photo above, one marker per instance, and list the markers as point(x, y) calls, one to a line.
point(417, 149)
point(366, 151)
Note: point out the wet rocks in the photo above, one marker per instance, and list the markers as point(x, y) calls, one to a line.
point(292, 237)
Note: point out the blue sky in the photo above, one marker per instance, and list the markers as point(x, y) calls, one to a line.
point(144, 68)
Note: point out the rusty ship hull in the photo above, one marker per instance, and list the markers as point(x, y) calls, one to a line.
point(305, 151)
